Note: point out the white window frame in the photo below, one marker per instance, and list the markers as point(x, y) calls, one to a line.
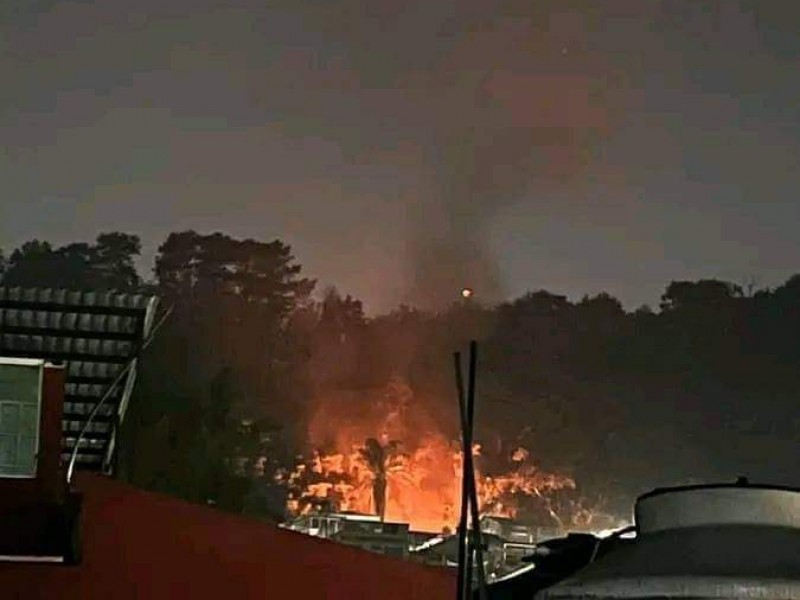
point(28, 362)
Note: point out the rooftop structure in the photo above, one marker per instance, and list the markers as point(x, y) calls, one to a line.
point(67, 368)
point(365, 531)
point(97, 336)
point(39, 514)
point(511, 530)
point(507, 542)
point(143, 545)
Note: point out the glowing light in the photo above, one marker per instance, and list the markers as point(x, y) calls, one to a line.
point(467, 292)
point(422, 466)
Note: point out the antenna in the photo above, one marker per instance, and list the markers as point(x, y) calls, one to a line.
point(469, 494)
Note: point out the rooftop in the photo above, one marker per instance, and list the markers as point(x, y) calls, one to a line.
point(143, 545)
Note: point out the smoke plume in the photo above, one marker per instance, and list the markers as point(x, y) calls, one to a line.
point(513, 118)
point(478, 174)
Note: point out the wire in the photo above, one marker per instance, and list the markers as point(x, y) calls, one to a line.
point(120, 376)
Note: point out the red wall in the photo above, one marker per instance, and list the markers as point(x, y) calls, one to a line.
point(143, 545)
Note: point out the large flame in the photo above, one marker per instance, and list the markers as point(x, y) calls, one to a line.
point(421, 466)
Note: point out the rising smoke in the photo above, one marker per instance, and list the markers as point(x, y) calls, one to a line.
point(511, 118)
point(478, 174)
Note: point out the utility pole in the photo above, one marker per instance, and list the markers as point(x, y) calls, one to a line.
point(469, 495)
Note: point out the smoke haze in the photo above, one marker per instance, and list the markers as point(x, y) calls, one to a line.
point(508, 128)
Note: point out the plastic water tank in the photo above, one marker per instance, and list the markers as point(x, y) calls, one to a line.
point(716, 542)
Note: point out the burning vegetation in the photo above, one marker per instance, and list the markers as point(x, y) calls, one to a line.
point(390, 458)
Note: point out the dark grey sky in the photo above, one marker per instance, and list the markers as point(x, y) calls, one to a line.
point(405, 146)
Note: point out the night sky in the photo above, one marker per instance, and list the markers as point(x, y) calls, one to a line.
point(405, 148)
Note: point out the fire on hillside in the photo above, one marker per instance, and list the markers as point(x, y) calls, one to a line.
point(391, 459)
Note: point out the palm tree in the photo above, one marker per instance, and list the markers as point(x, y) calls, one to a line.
point(376, 457)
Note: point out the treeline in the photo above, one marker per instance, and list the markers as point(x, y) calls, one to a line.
point(706, 386)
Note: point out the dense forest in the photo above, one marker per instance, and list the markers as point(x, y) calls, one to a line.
point(702, 387)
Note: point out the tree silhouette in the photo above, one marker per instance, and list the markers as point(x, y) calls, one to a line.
point(227, 351)
point(703, 295)
point(112, 261)
point(336, 339)
point(703, 387)
point(108, 264)
point(375, 455)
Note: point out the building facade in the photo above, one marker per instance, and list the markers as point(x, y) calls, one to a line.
point(364, 531)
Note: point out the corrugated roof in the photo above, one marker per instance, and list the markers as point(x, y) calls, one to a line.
point(96, 334)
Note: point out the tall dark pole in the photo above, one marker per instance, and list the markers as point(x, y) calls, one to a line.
point(469, 495)
point(462, 584)
point(477, 541)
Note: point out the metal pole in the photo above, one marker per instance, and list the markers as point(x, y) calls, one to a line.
point(469, 495)
point(462, 584)
point(477, 539)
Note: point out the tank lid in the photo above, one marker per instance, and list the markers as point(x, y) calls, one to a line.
point(677, 588)
point(716, 505)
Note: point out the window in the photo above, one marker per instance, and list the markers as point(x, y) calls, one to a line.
point(20, 404)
